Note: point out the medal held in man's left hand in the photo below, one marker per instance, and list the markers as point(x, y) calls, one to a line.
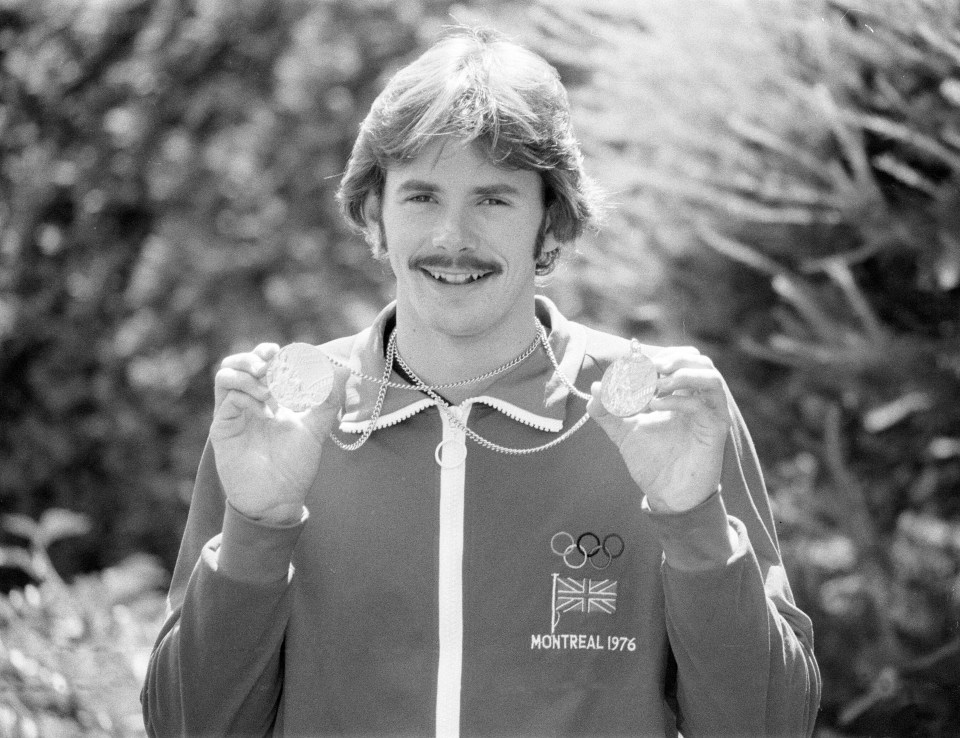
point(629, 383)
point(300, 377)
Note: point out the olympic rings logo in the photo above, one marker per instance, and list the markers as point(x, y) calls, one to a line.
point(576, 552)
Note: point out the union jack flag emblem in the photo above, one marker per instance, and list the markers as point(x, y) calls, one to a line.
point(582, 595)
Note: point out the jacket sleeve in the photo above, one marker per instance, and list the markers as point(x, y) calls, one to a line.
point(216, 665)
point(744, 651)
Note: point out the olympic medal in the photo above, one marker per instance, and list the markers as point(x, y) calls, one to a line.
point(628, 385)
point(300, 376)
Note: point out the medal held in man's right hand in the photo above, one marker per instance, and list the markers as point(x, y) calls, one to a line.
point(629, 383)
point(300, 376)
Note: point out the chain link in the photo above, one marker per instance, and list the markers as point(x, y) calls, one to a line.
point(519, 359)
point(445, 407)
point(556, 365)
point(486, 443)
point(378, 406)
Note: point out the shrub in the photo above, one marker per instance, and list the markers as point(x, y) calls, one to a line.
point(788, 191)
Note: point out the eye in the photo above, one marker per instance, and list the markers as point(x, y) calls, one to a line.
point(493, 201)
point(421, 198)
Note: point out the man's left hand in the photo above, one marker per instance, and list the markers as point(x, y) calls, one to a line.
point(674, 448)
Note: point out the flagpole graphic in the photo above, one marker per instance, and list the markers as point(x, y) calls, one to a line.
point(581, 595)
point(554, 615)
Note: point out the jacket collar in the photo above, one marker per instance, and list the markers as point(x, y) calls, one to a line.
point(531, 393)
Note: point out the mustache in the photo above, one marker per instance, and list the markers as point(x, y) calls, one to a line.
point(463, 262)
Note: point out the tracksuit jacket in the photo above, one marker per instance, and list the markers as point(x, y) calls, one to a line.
point(437, 587)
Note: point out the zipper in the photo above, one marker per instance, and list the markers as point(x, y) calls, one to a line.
point(451, 457)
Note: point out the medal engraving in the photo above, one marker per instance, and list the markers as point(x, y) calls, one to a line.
point(629, 384)
point(300, 376)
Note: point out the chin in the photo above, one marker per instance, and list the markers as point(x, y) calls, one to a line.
point(460, 329)
point(463, 325)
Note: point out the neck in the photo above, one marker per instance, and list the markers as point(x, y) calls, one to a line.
point(440, 358)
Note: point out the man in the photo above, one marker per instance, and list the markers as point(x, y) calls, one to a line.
point(448, 544)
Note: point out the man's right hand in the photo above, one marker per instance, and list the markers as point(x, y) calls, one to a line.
point(267, 456)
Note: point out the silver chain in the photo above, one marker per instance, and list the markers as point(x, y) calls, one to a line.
point(445, 407)
point(486, 443)
point(519, 359)
point(556, 365)
point(378, 406)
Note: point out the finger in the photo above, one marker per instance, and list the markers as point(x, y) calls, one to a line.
point(266, 351)
point(690, 380)
point(338, 393)
point(322, 417)
point(228, 379)
point(615, 427)
point(236, 379)
point(671, 361)
point(688, 403)
point(249, 362)
point(594, 405)
point(336, 397)
point(236, 404)
point(676, 403)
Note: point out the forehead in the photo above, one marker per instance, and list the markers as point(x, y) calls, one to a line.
point(453, 163)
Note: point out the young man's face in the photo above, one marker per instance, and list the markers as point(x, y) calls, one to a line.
point(460, 234)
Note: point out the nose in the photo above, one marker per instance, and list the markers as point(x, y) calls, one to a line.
point(452, 232)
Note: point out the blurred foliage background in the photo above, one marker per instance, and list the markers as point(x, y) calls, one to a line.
point(784, 182)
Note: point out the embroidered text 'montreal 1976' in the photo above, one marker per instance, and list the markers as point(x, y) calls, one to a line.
point(581, 642)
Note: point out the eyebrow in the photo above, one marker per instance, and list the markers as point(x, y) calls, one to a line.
point(497, 189)
point(422, 185)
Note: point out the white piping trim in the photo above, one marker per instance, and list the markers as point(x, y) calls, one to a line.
point(385, 421)
point(450, 576)
point(540, 422)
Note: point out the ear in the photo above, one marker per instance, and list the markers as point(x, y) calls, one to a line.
point(550, 243)
point(371, 209)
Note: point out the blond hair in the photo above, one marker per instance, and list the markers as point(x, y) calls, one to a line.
point(477, 85)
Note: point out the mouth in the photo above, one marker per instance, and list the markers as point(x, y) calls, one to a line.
point(456, 278)
point(467, 269)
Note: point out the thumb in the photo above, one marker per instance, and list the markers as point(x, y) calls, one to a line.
point(321, 418)
point(595, 407)
point(611, 424)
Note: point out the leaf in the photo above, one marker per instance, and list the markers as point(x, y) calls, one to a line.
point(20, 525)
point(891, 413)
point(58, 523)
point(904, 174)
point(17, 567)
point(950, 89)
point(901, 133)
point(740, 252)
point(133, 577)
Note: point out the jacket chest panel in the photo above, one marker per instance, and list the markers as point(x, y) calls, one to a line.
point(560, 584)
